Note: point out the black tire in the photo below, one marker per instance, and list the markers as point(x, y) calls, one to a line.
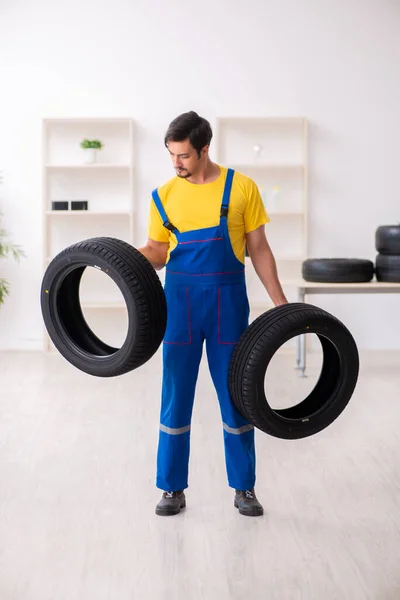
point(387, 268)
point(338, 270)
point(255, 350)
point(387, 240)
point(140, 287)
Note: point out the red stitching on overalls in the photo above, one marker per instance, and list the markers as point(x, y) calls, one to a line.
point(189, 325)
point(201, 241)
point(219, 321)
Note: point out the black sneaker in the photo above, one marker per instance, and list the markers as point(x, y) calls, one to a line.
point(247, 503)
point(171, 504)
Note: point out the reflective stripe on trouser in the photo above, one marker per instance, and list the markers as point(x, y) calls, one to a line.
point(181, 358)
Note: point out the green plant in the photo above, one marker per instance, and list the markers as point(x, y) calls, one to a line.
point(7, 248)
point(91, 144)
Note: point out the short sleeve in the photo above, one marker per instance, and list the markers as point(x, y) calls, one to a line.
point(255, 214)
point(156, 230)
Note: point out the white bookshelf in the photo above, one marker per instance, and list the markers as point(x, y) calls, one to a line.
point(107, 185)
point(273, 152)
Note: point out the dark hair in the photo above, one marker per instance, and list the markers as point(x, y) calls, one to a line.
point(190, 125)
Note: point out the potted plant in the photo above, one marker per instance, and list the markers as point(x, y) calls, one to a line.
point(7, 248)
point(90, 148)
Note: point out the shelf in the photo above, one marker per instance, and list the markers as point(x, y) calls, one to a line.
point(282, 259)
point(267, 166)
point(278, 258)
point(289, 258)
point(108, 185)
point(280, 161)
point(89, 166)
point(285, 213)
point(104, 305)
point(80, 120)
point(259, 304)
point(264, 120)
point(92, 213)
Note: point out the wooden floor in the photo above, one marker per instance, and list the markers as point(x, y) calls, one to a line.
point(77, 493)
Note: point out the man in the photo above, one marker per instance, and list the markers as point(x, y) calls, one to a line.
point(200, 222)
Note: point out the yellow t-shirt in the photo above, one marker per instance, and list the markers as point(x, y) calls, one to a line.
point(191, 206)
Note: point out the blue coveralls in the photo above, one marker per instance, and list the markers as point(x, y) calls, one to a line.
point(206, 300)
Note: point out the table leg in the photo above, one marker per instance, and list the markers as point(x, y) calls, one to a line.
point(302, 348)
point(301, 343)
point(298, 351)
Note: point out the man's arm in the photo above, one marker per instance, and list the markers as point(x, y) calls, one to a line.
point(156, 253)
point(265, 265)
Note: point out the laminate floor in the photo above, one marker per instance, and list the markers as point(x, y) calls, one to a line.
point(77, 493)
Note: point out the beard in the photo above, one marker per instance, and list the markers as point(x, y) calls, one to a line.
point(183, 174)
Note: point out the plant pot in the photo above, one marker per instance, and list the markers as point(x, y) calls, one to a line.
point(90, 155)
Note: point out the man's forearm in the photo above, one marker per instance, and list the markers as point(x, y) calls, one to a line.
point(153, 257)
point(265, 267)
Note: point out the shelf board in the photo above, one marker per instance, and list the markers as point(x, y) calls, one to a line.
point(266, 119)
point(87, 213)
point(289, 258)
point(89, 166)
point(103, 305)
point(259, 304)
point(285, 213)
point(294, 258)
point(71, 120)
point(267, 166)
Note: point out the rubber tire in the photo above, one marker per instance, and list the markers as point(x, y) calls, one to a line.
point(387, 268)
point(338, 270)
point(257, 346)
point(387, 240)
point(140, 287)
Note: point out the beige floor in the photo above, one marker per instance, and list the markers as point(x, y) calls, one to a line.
point(77, 495)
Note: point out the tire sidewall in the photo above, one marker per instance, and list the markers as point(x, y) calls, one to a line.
point(271, 422)
point(55, 274)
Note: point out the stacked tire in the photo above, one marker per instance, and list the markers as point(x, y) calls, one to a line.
point(338, 270)
point(387, 244)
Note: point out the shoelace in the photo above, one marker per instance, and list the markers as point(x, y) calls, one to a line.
point(169, 494)
point(249, 495)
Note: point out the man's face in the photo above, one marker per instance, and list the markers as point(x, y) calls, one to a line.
point(185, 158)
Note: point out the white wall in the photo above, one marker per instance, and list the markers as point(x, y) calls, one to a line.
point(335, 62)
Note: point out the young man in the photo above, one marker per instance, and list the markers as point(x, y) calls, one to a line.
point(200, 222)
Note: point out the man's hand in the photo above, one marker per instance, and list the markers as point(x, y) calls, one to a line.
point(156, 253)
point(265, 265)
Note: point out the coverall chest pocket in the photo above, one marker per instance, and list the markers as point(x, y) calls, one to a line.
point(179, 329)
